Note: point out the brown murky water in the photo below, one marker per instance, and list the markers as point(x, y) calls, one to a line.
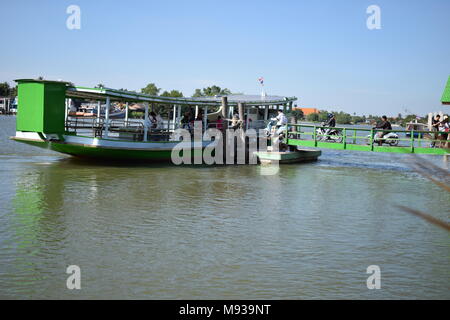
point(157, 232)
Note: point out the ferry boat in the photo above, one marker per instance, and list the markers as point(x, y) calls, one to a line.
point(44, 120)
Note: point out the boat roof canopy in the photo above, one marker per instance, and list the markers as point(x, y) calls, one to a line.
point(101, 94)
point(121, 95)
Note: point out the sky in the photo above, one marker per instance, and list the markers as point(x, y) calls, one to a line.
point(320, 51)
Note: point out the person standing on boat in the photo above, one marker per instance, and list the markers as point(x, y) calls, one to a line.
point(435, 123)
point(219, 124)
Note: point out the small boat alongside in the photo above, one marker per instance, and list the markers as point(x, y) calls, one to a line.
point(296, 156)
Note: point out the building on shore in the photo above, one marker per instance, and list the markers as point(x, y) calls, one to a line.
point(307, 110)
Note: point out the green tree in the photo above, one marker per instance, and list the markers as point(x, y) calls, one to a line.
point(4, 89)
point(297, 114)
point(151, 89)
point(198, 93)
point(358, 119)
point(343, 117)
point(323, 116)
point(312, 117)
point(211, 91)
point(13, 91)
point(172, 93)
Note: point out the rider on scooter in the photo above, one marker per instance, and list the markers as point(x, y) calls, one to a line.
point(385, 125)
point(281, 122)
point(331, 123)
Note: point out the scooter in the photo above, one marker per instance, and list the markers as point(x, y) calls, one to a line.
point(270, 132)
point(328, 134)
point(272, 125)
point(391, 139)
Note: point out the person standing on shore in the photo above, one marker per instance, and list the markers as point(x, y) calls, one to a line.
point(444, 127)
point(435, 122)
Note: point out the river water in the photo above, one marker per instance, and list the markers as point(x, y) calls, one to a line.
point(199, 232)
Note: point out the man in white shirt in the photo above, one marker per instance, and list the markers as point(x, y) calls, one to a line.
point(280, 125)
point(281, 122)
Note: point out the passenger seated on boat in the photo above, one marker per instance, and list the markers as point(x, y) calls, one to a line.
point(235, 121)
point(219, 123)
point(186, 121)
point(153, 121)
point(159, 122)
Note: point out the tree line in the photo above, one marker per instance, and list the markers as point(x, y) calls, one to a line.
point(341, 117)
point(7, 91)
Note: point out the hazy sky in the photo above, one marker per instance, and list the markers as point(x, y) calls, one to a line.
point(319, 51)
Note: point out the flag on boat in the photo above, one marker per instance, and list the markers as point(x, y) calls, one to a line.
point(261, 80)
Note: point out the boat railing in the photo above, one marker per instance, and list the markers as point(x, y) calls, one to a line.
point(73, 123)
point(126, 125)
point(364, 136)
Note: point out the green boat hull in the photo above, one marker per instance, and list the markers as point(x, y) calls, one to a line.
point(110, 153)
point(104, 153)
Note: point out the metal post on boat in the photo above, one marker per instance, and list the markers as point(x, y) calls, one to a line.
point(225, 114)
point(126, 113)
point(246, 122)
point(145, 121)
point(99, 110)
point(108, 104)
point(241, 112)
point(205, 117)
point(66, 113)
point(196, 112)
point(174, 116)
point(266, 112)
point(179, 112)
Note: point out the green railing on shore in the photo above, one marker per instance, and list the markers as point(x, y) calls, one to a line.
point(408, 141)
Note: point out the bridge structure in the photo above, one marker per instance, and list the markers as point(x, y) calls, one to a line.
point(364, 139)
